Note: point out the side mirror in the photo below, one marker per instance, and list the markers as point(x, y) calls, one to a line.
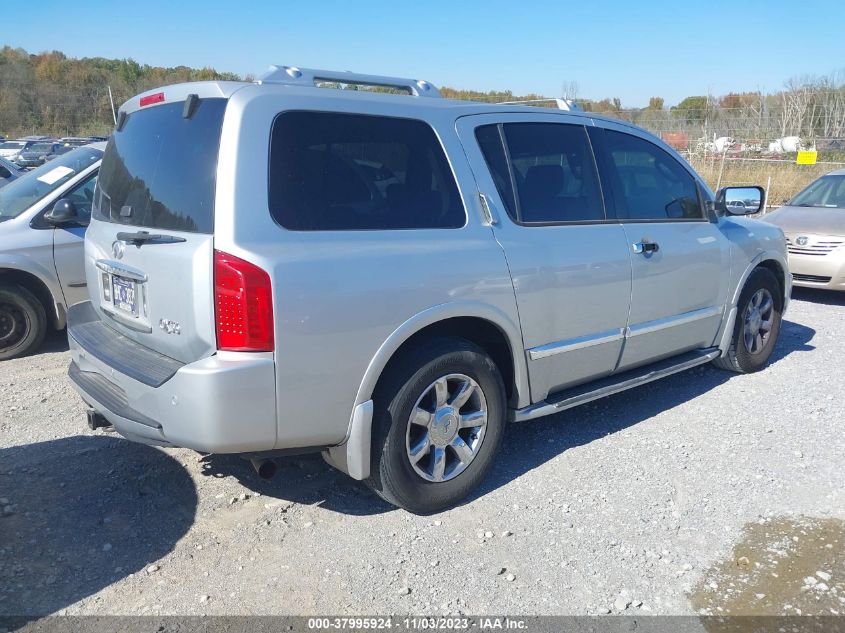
point(740, 200)
point(63, 212)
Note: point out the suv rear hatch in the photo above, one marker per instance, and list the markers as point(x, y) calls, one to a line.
point(149, 248)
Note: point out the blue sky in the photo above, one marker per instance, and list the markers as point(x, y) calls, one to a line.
point(631, 49)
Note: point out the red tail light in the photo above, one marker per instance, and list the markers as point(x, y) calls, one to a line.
point(243, 305)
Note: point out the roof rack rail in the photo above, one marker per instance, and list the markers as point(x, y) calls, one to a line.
point(292, 75)
point(561, 104)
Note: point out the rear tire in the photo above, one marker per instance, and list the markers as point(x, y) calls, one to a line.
point(23, 321)
point(455, 394)
point(757, 324)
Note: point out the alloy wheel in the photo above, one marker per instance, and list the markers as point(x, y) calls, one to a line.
point(757, 321)
point(446, 427)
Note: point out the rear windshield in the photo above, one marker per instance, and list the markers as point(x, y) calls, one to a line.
point(159, 169)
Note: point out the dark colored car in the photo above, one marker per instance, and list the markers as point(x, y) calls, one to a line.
point(61, 149)
point(37, 153)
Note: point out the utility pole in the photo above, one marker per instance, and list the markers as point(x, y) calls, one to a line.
point(111, 100)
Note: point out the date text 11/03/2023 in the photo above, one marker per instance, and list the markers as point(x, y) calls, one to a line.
point(421, 623)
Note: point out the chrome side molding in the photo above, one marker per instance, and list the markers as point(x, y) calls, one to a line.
point(570, 345)
point(678, 319)
point(609, 336)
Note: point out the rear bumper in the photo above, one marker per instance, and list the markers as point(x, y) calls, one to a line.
point(225, 403)
point(818, 271)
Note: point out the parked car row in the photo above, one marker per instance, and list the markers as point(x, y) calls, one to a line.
point(388, 282)
point(32, 151)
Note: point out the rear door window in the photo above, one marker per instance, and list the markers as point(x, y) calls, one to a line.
point(551, 169)
point(159, 169)
point(337, 172)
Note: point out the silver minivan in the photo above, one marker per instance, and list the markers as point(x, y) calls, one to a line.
point(388, 277)
point(43, 215)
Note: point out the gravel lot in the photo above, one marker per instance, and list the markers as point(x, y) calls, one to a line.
point(706, 492)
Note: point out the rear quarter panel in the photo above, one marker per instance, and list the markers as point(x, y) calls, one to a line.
point(338, 296)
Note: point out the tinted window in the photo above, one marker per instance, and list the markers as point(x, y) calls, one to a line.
point(648, 183)
point(82, 197)
point(349, 172)
point(554, 172)
point(490, 141)
point(159, 169)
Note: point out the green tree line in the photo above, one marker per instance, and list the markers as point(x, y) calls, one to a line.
point(50, 93)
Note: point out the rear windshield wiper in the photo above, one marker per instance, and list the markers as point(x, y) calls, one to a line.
point(144, 237)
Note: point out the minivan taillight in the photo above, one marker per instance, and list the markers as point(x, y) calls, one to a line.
point(243, 305)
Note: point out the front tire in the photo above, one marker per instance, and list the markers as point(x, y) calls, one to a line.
point(23, 321)
point(440, 418)
point(757, 325)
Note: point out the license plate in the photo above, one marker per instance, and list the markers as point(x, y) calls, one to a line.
point(124, 294)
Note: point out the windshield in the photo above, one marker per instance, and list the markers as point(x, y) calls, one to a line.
point(827, 192)
point(20, 194)
point(12, 145)
point(41, 147)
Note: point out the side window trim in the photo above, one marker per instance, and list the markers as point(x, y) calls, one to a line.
point(605, 170)
point(596, 136)
point(517, 205)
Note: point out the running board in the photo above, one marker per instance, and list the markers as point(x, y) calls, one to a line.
point(614, 384)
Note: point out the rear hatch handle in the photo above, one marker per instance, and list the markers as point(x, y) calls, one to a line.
point(143, 237)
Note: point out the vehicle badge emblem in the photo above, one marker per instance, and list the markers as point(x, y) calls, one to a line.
point(117, 249)
point(170, 327)
point(802, 240)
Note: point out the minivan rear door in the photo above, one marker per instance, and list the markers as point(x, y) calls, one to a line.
point(149, 248)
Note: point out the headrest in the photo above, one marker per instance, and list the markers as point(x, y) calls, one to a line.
point(544, 180)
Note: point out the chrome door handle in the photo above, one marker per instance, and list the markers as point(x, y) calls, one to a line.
point(645, 247)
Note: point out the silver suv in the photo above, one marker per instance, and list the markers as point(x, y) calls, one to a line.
point(279, 267)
